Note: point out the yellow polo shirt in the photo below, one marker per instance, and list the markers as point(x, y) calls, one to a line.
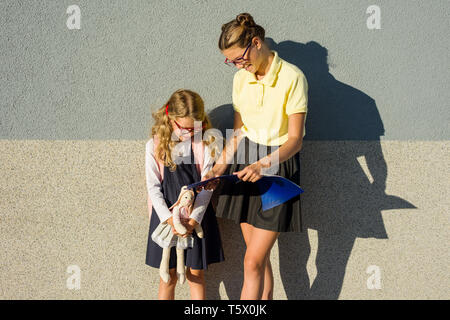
point(265, 104)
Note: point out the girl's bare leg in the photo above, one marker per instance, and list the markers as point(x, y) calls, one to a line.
point(268, 280)
point(257, 267)
point(196, 280)
point(268, 273)
point(167, 290)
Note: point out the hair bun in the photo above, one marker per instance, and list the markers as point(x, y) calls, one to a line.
point(245, 20)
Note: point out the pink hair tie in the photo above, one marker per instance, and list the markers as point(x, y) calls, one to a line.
point(167, 109)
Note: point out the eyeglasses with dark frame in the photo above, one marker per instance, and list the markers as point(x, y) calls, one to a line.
point(239, 60)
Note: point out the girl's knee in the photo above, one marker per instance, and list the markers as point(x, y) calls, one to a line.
point(173, 279)
point(195, 275)
point(254, 264)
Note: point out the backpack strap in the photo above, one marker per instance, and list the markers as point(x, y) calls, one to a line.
point(197, 148)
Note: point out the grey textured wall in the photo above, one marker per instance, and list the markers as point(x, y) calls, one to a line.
point(75, 113)
point(100, 82)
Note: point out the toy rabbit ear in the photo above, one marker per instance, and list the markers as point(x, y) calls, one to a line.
point(183, 191)
point(176, 203)
point(191, 207)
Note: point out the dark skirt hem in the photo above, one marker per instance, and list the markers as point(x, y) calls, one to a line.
point(188, 266)
point(261, 226)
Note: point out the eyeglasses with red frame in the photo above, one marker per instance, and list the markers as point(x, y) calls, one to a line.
point(189, 130)
point(239, 60)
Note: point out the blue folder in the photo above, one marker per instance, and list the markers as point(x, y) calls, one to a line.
point(274, 189)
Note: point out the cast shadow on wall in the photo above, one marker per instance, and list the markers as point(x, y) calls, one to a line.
point(341, 202)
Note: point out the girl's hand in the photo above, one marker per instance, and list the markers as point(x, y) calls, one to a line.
point(170, 222)
point(190, 226)
point(174, 231)
point(251, 173)
point(212, 184)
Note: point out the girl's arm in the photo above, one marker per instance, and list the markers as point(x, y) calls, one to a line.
point(293, 144)
point(203, 198)
point(201, 203)
point(230, 148)
point(153, 177)
point(252, 172)
point(296, 108)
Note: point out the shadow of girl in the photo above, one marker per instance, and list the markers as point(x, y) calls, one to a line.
point(340, 202)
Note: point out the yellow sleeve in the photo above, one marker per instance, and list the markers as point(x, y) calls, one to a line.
point(297, 101)
point(236, 92)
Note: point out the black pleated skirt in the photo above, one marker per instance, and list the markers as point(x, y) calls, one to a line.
point(241, 202)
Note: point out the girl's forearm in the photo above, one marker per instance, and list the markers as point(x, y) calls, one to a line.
point(283, 153)
point(227, 154)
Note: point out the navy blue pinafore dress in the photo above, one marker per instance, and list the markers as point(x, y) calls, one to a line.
point(206, 250)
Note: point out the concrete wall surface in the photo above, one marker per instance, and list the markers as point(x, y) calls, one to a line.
point(75, 114)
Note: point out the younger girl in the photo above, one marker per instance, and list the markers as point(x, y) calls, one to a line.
point(174, 123)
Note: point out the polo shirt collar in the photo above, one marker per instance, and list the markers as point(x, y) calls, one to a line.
point(271, 76)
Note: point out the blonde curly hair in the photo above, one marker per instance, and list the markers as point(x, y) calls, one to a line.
point(182, 103)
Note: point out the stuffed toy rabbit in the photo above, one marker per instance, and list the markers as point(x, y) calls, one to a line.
point(165, 238)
